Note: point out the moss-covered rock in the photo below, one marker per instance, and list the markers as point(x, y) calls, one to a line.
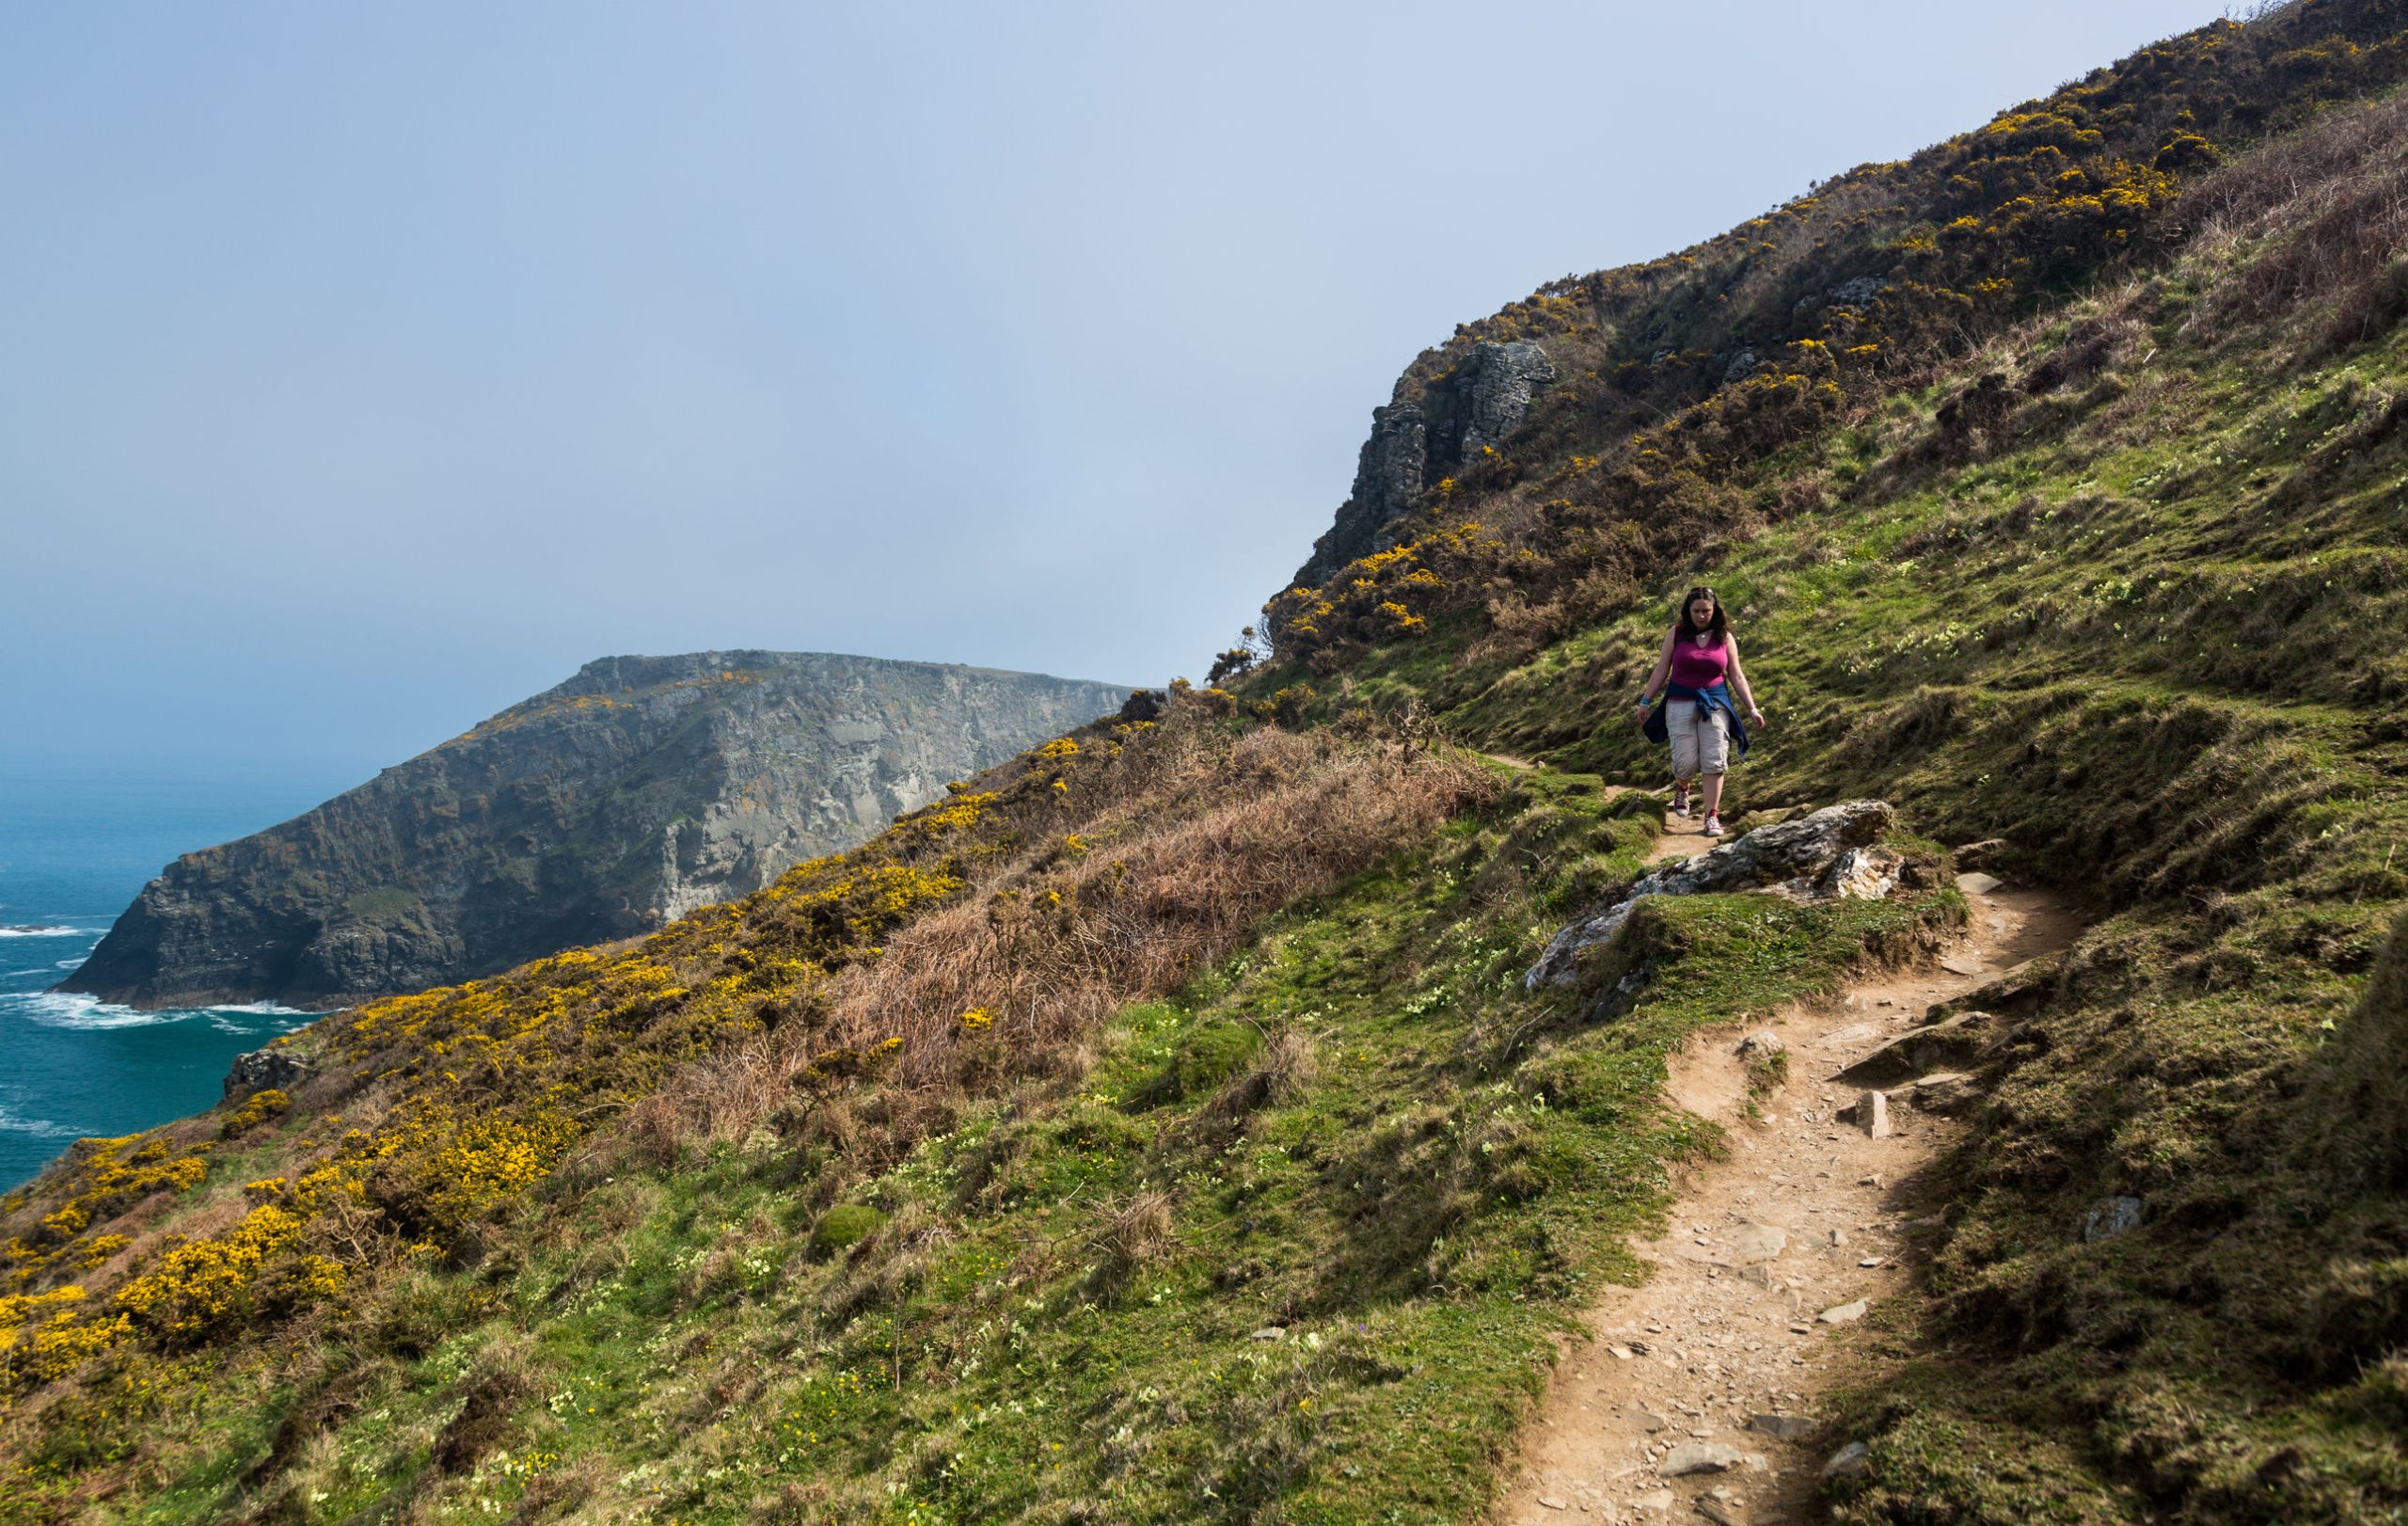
point(842, 1228)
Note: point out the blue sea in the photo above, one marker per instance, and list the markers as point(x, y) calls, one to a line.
point(77, 843)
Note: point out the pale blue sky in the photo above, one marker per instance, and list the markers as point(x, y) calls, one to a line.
point(363, 370)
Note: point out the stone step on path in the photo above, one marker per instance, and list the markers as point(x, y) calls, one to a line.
point(1700, 1396)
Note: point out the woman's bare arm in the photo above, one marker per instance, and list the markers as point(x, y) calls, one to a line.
point(1740, 680)
point(1663, 671)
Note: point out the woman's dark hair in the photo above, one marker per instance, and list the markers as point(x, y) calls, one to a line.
point(1719, 625)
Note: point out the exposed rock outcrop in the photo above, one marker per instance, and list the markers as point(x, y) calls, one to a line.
point(2116, 1215)
point(1479, 406)
point(272, 1066)
point(637, 790)
point(1817, 857)
point(1424, 435)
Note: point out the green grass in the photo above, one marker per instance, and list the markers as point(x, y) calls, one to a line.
point(1294, 1243)
point(1442, 1170)
point(2156, 648)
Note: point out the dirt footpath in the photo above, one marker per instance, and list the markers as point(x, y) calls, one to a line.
point(1698, 1395)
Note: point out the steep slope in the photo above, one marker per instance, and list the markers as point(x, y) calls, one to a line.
point(641, 788)
point(2123, 587)
point(1639, 400)
point(1164, 1128)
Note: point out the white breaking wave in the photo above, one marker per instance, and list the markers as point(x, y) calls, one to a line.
point(68, 1010)
point(73, 1010)
point(45, 932)
point(225, 1019)
point(41, 1128)
point(69, 965)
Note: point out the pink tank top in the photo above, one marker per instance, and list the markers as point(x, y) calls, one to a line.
point(1699, 667)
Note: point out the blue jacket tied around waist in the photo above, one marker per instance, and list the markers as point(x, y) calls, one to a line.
point(1718, 697)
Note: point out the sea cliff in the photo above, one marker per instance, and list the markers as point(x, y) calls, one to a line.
point(639, 789)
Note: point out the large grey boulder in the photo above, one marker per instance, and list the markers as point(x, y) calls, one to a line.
point(1859, 874)
point(1798, 858)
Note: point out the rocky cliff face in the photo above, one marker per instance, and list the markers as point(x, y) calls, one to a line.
point(631, 794)
point(1423, 434)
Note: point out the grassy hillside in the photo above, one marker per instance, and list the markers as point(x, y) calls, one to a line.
point(1094, 1192)
point(1157, 1129)
point(2148, 628)
point(1683, 381)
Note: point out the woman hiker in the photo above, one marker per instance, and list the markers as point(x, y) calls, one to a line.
point(1696, 673)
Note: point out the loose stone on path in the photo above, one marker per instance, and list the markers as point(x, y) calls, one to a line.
point(1698, 1458)
point(1873, 1114)
point(1753, 1243)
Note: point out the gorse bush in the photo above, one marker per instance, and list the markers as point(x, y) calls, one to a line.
point(1157, 1129)
point(1632, 461)
point(1055, 946)
point(437, 1112)
point(2122, 587)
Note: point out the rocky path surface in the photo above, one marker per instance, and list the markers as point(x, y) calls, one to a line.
point(1697, 1396)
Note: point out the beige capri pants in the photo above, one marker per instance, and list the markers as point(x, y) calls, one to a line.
point(1700, 743)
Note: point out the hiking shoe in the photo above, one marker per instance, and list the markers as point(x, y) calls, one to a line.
point(1681, 800)
point(1713, 824)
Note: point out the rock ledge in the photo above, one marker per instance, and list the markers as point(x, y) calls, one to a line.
point(1817, 857)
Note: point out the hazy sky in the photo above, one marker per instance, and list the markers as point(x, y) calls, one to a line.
point(365, 369)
